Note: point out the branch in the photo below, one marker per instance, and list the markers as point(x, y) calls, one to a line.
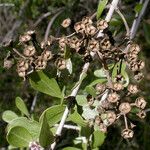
point(34, 102)
point(69, 127)
point(50, 24)
point(75, 90)
point(137, 19)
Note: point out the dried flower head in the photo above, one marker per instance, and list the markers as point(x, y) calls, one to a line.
point(29, 51)
point(141, 114)
point(133, 88)
point(102, 24)
point(127, 133)
point(140, 102)
point(117, 86)
point(66, 23)
point(125, 108)
point(113, 97)
point(100, 87)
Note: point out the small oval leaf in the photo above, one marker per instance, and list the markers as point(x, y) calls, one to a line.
point(19, 137)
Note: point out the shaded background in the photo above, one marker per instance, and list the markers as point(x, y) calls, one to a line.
point(17, 16)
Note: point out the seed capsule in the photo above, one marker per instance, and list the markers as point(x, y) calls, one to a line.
point(125, 108)
point(60, 63)
point(138, 76)
point(90, 100)
point(133, 89)
point(21, 74)
point(141, 114)
point(62, 42)
point(79, 27)
point(24, 38)
point(113, 97)
point(127, 133)
point(93, 45)
point(134, 48)
point(133, 66)
point(111, 117)
point(105, 44)
point(40, 63)
point(46, 55)
point(66, 23)
point(117, 86)
point(141, 64)
point(75, 43)
point(29, 51)
point(102, 24)
point(87, 21)
point(90, 30)
point(140, 102)
point(100, 87)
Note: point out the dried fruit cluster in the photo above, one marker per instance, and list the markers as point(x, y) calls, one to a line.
point(85, 42)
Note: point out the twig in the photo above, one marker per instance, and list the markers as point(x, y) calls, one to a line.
point(137, 19)
point(18, 53)
point(50, 24)
point(125, 120)
point(69, 127)
point(74, 92)
point(44, 16)
point(7, 5)
point(34, 102)
point(124, 21)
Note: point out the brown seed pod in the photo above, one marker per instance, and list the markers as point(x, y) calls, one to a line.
point(29, 51)
point(103, 128)
point(138, 76)
point(105, 44)
point(100, 87)
point(24, 38)
point(134, 48)
point(102, 24)
point(140, 102)
point(118, 86)
point(90, 30)
point(93, 45)
point(60, 63)
point(87, 21)
point(141, 114)
point(125, 108)
point(131, 57)
point(127, 133)
point(79, 27)
point(113, 97)
point(141, 64)
point(111, 117)
point(75, 43)
point(133, 66)
point(40, 63)
point(46, 55)
point(22, 65)
point(97, 120)
point(133, 88)
point(66, 23)
point(62, 42)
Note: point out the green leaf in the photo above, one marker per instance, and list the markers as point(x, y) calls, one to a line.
point(21, 106)
point(46, 136)
point(53, 114)
point(102, 80)
point(90, 90)
point(86, 131)
point(31, 125)
point(146, 27)
point(19, 137)
point(101, 6)
point(100, 73)
point(76, 118)
point(98, 138)
point(42, 83)
point(138, 8)
point(8, 116)
point(71, 148)
point(81, 100)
